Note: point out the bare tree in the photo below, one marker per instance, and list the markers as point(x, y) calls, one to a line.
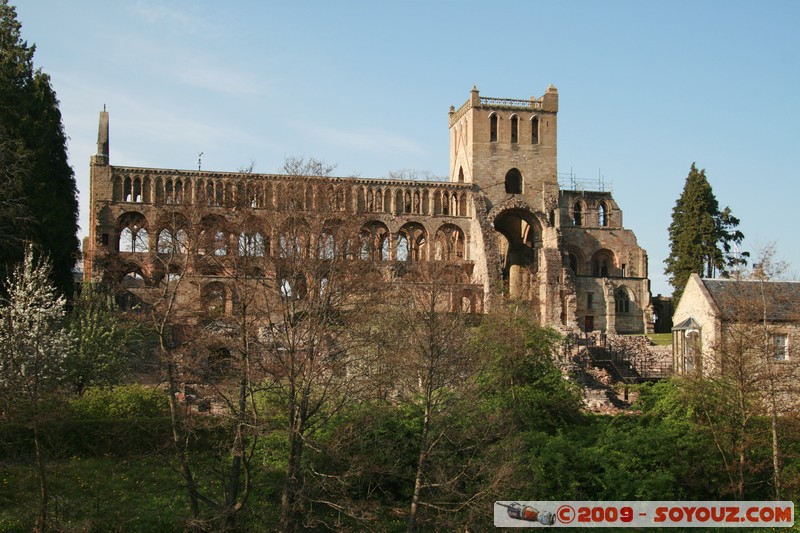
point(310, 307)
point(752, 376)
point(436, 364)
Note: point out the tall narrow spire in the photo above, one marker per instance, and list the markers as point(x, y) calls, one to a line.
point(102, 137)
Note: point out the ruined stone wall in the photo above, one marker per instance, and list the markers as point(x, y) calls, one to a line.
point(501, 221)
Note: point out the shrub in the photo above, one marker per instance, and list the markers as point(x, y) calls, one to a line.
point(122, 402)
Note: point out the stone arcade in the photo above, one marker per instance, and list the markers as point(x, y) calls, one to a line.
point(501, 221)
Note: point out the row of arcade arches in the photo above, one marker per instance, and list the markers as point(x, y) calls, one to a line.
point(411, 242)
point(286, 195)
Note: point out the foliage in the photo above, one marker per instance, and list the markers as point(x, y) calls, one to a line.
point(122, 402)
point(32, 136)
point(701, 236)
point(34, 345)
point(521, 379)
point(31, 334)
point(104, 343)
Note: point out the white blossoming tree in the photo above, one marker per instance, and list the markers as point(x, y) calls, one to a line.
point(34, 344)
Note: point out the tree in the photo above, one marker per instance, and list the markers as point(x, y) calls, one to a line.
point(34, 345)
point(104, 344)
point(317, 301)
point(437, 365)
point(30, 125)
point(752, 383)
point(702, 237)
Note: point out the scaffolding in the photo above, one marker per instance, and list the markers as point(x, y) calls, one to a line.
point(570, 181)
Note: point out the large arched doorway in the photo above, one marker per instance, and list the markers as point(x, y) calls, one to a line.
point(519, 249)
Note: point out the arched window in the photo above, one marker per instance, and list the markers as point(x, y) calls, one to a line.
point(402, 248)
point(514, 129)
point(573, 263)
point(137, 190)
point(220, 243)
point(126, 240)
point(622, 301)
point(577, 214)
point(513, 182)
point(535, 130)
point(126, 190)
point(251, 245)
point(133, 239)
point(602, 215)
point(493, 128)
point(210, 193)
point(165, 243)
point(327, 246)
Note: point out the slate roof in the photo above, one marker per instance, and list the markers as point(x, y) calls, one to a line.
point(738, 299)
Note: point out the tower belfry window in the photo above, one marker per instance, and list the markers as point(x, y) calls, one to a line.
point(514, 129)
point(535, 130)
point(493, 128)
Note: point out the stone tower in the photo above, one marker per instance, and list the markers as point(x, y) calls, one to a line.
point(507, 149)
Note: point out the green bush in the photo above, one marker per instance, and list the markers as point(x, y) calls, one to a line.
point(122, 402)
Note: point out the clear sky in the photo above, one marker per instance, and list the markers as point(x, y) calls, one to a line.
point(645, 89)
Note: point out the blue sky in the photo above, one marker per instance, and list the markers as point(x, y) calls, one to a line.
point(645, 88)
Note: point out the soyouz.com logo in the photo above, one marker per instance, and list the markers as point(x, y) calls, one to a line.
point(643, 514)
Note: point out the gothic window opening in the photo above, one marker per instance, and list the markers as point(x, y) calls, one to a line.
point(780, 344)
point(622, 301)
point(220, 243)
point(218, 195)
point(402, 248)
point(252, 245)
point(535, 130)
point(577, 214)
point(210, 193)
point(327, 246)
point(493, 128)
point(126, 190)
point(513, 182)
point(137, 190)
point(514, 129)
point(133, 239)
point(460, 174)
point(169, 192)
point(178, 192)
point(602, 215)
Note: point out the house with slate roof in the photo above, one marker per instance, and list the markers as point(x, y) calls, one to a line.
point(759, 316)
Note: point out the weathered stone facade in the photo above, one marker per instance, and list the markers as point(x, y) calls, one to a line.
point(501, 221)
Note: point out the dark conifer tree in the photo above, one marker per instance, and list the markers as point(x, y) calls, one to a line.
point(41, 191)
point(701, 236)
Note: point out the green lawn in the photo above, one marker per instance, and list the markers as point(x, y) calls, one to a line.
point(112, 494)
point(661, 339)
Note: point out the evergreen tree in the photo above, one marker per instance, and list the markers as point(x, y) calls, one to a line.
point(42, 184)
point(701, 236)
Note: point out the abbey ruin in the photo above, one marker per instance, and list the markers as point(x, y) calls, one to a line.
point(502, 224)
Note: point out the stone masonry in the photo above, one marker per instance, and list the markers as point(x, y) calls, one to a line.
point(501, 221)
